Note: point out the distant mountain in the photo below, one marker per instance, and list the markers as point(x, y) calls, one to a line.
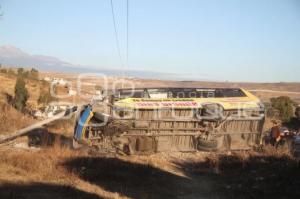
point(12, 56)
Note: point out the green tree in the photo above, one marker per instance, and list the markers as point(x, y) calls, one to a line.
point(21, 94)
point(285, 107)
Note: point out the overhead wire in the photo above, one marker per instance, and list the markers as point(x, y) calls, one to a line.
point(116, 33)
point(127, 34)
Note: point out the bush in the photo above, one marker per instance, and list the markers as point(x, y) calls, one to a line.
point(21, 94)
point(285, 107)
point(271, 112)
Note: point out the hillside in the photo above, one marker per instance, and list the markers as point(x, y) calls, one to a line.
point(11, 119)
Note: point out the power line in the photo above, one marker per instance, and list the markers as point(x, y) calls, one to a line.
point(117, 37)
point(127, 35)
point(116, 32)
point(1, 13)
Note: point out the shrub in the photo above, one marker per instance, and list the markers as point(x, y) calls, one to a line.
point(21, 94)
point(271, 112)
point(285, 107)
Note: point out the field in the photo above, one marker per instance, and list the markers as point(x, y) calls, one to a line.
point(49, 168)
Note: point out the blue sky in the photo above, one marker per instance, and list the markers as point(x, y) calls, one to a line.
point(245, 40)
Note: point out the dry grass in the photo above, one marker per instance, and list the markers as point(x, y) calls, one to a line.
point(11, 119)
point(7, 86)
point(196, 175)
point(24, 168)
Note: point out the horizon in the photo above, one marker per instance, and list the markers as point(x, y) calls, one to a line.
point(213, 39)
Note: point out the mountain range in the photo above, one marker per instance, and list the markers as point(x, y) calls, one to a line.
point(15, 57)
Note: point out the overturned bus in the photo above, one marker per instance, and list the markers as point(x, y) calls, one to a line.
point(150, 120)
